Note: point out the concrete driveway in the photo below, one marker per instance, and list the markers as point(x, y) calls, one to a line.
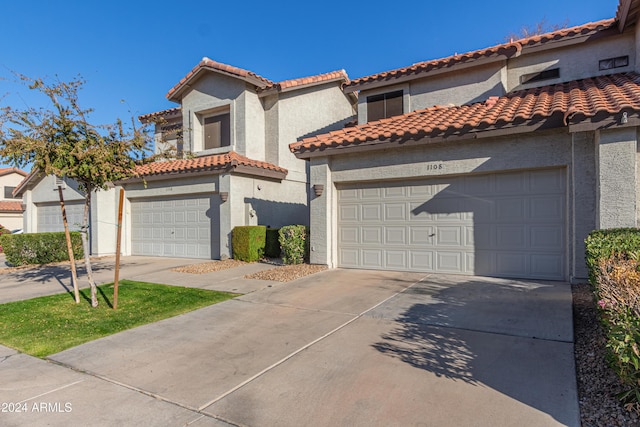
point(342, 347)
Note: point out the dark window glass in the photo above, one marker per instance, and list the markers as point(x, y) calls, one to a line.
point(609, 63)
point(8, 192)
point(553, 73)
point(384, 105)
point(217, 131)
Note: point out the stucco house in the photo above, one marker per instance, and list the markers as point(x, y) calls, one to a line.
point(496, 162)
point(11, 208)
point(232, 130)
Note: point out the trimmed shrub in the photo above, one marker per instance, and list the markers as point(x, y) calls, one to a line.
point(272, 243)
point(602, 244)
point(248, 242)
point(39, 248)
point(3, 231)
point(294, 241)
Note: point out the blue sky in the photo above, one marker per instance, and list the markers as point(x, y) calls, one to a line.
point(136, 51)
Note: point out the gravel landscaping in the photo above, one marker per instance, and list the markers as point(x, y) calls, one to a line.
point(209, 266)
point(286, 273)
point(597, 382)
point(280, 273)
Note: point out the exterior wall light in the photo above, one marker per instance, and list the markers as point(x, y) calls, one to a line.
point(224, 196)
point(625, 118)
point(318, 189)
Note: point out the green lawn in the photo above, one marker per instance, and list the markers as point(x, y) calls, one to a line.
point(47, 325)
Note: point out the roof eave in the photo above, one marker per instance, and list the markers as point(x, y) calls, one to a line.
point(31, 179)
point(422, 74)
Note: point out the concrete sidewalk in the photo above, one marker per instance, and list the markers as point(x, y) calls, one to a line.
point(341, 347)
point(20, 284)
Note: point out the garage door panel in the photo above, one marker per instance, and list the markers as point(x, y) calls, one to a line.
point(395, 235)
point(511, 236)
point(544, 265)
point(449, 236)
point(512, 264)
point(348, 213)
point(506, 224)
point(421, 260)
point(546, 237)
point(372, 235)
point(449, 262)
point(395, 193)
point(179, 227)
point(371, 213)
point(543, 208)
point(349, 258)
point(422, 235)
point(395, 212)
point(396, 259)
point(349, 235)
point(372, 258)
point(511, 210)
point(417, 212)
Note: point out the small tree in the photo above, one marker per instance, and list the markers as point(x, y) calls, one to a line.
point(61, 141)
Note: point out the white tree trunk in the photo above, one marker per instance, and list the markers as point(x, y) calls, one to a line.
point(85, 247)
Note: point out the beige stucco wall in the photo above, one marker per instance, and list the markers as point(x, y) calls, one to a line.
point(575, 61)
point(574, 152)
point(304, 113)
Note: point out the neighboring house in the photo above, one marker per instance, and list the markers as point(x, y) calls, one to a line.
point(496, 162)
point(232, 129)
point(11, 207)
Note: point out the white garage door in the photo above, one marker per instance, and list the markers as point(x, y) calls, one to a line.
point(50, 216)
point(506, 225)
point(176, 227)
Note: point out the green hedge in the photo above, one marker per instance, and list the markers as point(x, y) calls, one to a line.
point(294, 241)
point(3, 231)
point(272, 243)
point(248, 242)
point(602, 244)
point(39, 248)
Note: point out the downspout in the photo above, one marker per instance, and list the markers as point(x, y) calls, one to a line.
point(572, 273)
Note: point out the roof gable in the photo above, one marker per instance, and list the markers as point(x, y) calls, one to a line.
point(209, 65)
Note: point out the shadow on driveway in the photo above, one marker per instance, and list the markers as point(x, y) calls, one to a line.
point(512, 336)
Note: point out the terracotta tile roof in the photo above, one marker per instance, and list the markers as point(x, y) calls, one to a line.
point(576, 100)
point(7, 171)
point(209, 64)
point(311, 80)
point(147, 117)
point(206, 163)
point(506, 50)
point(11, 207)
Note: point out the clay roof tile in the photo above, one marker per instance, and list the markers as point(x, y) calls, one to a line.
point(587, 97)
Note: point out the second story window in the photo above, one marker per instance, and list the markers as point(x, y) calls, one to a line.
point(8, 193)
point(216, 131)
point(384, 105)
